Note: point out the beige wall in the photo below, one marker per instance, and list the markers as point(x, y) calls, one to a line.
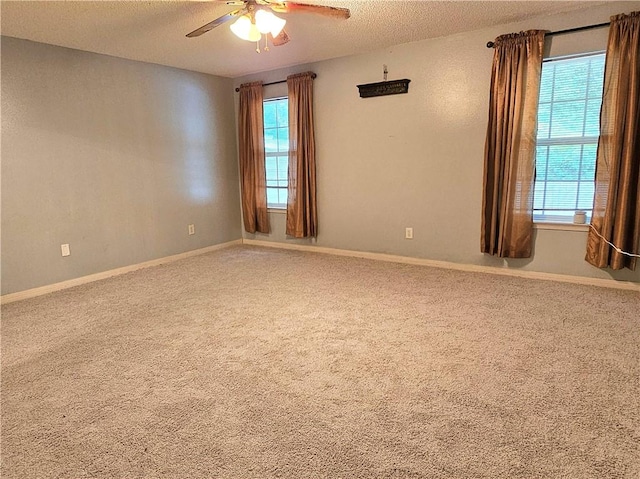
point(416, 160)
point(112, 156)
point(117, 157)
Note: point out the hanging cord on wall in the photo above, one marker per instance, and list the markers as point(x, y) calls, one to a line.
point(612, 245)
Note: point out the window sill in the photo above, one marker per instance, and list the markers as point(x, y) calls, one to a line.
point(281, 211)
point(548, 225)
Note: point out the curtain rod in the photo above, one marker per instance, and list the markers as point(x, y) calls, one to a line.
point(313, 75)
point(570, 30)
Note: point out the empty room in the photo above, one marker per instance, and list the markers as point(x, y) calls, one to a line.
point(320, 239)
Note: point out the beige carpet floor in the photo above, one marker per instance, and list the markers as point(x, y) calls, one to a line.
point(261, 363)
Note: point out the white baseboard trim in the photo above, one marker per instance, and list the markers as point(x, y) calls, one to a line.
point(564, 278)
point(50, 288)
point(601, 282)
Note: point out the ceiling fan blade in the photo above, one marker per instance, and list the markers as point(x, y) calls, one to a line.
point(281, 39)
point(293, 7)
point(216, 22)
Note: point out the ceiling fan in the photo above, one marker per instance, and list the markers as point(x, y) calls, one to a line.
point(255, 18)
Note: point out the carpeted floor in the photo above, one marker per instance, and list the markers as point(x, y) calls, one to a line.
point(261, 363)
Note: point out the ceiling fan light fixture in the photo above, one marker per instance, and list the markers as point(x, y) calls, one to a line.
point(267, 22)
point(254, 33)
point(244, 28)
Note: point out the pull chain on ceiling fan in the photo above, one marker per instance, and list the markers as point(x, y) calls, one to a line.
point(255, 18)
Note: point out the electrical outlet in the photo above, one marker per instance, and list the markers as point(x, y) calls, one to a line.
point(65, 250)
point(192, 229)
point(408, 233)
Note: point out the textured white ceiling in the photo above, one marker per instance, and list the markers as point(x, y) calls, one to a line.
point(154, 31)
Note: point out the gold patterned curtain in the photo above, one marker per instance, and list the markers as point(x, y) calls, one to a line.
point(509, 165)
point(302, 216)
point(616, 209)
point(251, 154)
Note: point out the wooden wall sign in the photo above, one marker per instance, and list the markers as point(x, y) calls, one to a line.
point(393, 87)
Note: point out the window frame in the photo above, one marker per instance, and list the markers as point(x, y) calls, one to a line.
point(279, 207)
point(582, 141)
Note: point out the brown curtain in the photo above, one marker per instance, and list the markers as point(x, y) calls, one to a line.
point(302, 217)
point(616, 209)
point(251, 154)
point(509, 165)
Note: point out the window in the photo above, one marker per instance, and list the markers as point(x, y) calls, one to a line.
point(567, 140)
point(276, 147)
